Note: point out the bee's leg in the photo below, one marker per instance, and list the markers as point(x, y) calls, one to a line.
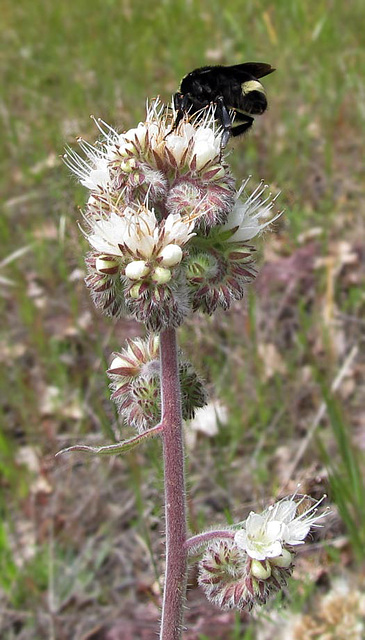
point(178, 104)
point(242, 127)
point(225, 120)
point(182, 103)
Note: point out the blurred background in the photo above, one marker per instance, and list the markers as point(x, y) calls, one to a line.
point(81, 539)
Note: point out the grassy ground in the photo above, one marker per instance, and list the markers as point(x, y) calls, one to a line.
point(80, 546)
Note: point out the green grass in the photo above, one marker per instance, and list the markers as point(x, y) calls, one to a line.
point(346, 477)
point(61, 62)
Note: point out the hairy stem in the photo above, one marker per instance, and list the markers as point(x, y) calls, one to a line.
point(203, 538)
point(175, 511)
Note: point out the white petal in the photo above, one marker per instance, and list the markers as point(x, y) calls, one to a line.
point(284, 511)
point(240, 539)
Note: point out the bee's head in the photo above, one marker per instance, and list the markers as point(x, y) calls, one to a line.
point(254, 97)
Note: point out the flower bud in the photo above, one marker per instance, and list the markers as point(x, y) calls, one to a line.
point(206, 147)
point(261, 569)
point(106, 265)
point(161, 275)
point(171, 255)
point(135, 375)
point(107, 290)
point(284, 560)
point(135, 291)
point(128, 165)
point(121, 366)
point(137, 269)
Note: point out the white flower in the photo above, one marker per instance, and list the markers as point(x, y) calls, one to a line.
point(93, 173)
point(296, 528)
point(107, 234)
point(178, 142)
point(177, 230)
point(133, 139)
point(266, 535)
point(206, 146)
point(249, 215)
point(98, 178)
point(136, 232)
point(261, 537)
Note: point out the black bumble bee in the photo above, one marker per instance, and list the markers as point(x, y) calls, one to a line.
point(230, 89)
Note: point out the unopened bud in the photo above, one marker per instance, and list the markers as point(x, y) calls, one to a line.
point(261, 569)
point(284, 560)
point(118, 363)
point(136, 270)
point(161, 275)
point(171, 255)
point(135, 291)
point(106, 265)
point(128, 165)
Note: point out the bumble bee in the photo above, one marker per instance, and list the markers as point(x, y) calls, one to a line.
point(234, 89)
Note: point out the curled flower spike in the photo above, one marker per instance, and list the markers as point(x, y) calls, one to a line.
point(134, 373)
point(232, 580)
point(168, 230)
point(257, 561)
point(135, 384)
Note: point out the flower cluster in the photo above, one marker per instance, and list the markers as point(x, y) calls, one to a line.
point(135, 376)
point(168, 232)
point(246, 569)
point(337, 615)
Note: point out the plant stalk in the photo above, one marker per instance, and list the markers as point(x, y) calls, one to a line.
point(174, 477)
point(203, 538)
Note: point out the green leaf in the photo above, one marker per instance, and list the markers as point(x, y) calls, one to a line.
point(114, 449)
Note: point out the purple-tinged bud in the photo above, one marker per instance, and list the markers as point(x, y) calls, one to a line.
point(136, 383)
point(158, 305)
point(207, 202)
point(223, 281)
point(107, 265)
point(106, 288)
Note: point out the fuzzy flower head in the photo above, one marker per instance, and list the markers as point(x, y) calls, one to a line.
point(257, 560)
point(168, 232)
point(135, 383)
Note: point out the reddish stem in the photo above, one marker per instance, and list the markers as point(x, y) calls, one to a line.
point(175, 510)
point(202, 538)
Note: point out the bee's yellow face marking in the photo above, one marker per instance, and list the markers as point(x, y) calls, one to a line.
point(252, 85)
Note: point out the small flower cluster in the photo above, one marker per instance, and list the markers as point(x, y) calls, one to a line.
point(337, 615)
point(168, 232)
point(257, 561)
point(135, 376)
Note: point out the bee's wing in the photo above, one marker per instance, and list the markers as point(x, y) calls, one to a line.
point(255, 69)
